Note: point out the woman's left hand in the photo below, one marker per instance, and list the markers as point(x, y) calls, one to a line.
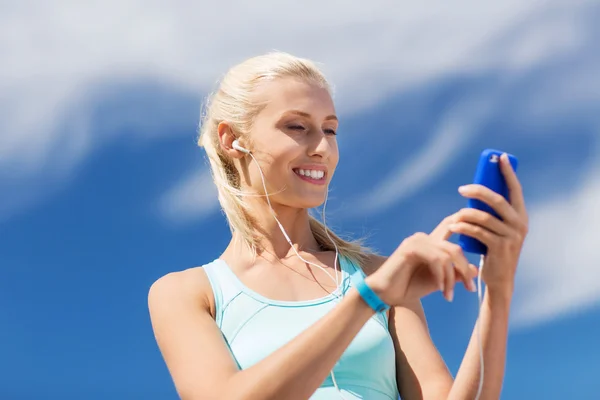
point(503, 238)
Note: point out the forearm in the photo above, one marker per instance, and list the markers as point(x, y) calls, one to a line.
point(296, 370)
point(494, 334)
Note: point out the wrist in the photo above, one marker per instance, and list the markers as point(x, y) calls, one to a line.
point(363, 310)
point(378, 287)
point(369, 292)
point(499, 296)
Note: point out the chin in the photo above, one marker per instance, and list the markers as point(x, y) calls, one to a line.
point(305, 200)
point(312, 201)
point(301, 196)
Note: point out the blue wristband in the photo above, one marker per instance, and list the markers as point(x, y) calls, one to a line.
point(368, 295)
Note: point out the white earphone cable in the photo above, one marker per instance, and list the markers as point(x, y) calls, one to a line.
point(284, 232)
point(336, 275)
point(479, 340)
point(336, 280)
point(338, 283)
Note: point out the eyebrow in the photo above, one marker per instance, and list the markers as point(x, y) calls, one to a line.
point(307, 115)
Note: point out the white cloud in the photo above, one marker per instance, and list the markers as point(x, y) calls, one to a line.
point(56, 54)
point(560, 268)
point(455, 128)
point(192, 198)
point(429, 43)
point(547, 35)
point(53, 53)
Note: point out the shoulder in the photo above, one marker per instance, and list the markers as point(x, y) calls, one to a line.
point(189, 287)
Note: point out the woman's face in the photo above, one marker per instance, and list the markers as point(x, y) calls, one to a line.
point(294, 140)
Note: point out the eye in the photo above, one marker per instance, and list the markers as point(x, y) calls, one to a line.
point(296, 127)
point(330, 131)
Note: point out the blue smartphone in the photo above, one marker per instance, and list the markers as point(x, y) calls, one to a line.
point(488, 174)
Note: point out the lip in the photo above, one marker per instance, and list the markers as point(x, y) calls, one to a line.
point(316, 167)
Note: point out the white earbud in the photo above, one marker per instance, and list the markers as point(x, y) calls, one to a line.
point(236, 145)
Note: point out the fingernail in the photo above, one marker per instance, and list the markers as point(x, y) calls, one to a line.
point(451, 295)
point(462, 189)
point(472, 286)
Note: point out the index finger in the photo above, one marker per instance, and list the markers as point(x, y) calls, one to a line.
point(515, 190)
point(442, 231)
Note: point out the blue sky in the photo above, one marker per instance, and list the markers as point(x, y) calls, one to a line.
point(104, 189)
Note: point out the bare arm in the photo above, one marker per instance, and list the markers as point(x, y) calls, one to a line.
point(200, 363)
point(422, 372)
point(504, 239)
point(494, 334)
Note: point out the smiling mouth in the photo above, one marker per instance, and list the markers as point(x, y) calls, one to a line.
point(315, 176)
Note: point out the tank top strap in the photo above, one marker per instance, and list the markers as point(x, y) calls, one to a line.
point(349, 265)
point(225, 287)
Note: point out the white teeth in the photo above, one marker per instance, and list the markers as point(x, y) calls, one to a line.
point(314, 174)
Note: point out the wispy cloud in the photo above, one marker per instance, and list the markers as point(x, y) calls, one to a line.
point(55, 54)
point(560, 268)
point(518, 40)
point(191, 199)
point(560, 272)
point(459, 123)
point(64, 61)
point(538, 45)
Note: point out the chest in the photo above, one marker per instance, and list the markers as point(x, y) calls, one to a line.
point(291, 283)
point(255, 325)
point(254, 332)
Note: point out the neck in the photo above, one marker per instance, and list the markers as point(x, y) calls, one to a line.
point(296, 224)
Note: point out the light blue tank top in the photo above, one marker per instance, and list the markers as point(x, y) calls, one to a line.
point(254, 327)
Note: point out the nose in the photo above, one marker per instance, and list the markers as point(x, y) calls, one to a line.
point(321, 145)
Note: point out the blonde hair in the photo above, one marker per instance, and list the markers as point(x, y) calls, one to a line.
point(233, 102)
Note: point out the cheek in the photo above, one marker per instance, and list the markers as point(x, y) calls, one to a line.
point(335, 158)
point(281, 155)
point(274, 168)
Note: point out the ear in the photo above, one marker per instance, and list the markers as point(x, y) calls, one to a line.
point(226, 138)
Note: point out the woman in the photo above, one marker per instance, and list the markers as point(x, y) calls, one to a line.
point(277, 316)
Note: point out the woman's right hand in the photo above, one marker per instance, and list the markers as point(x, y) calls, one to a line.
point(423, 264)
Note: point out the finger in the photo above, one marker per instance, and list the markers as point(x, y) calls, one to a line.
point(439, 264)
point(450, 278)
point(514, 185)
point(493, 199)
point(442, 260)
point(436, 269)
point(472, 285)
point(474, 270)
point(461, 265)
point(484, 219)
point(477, 232)
point(442, 231)
point(425, 252)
